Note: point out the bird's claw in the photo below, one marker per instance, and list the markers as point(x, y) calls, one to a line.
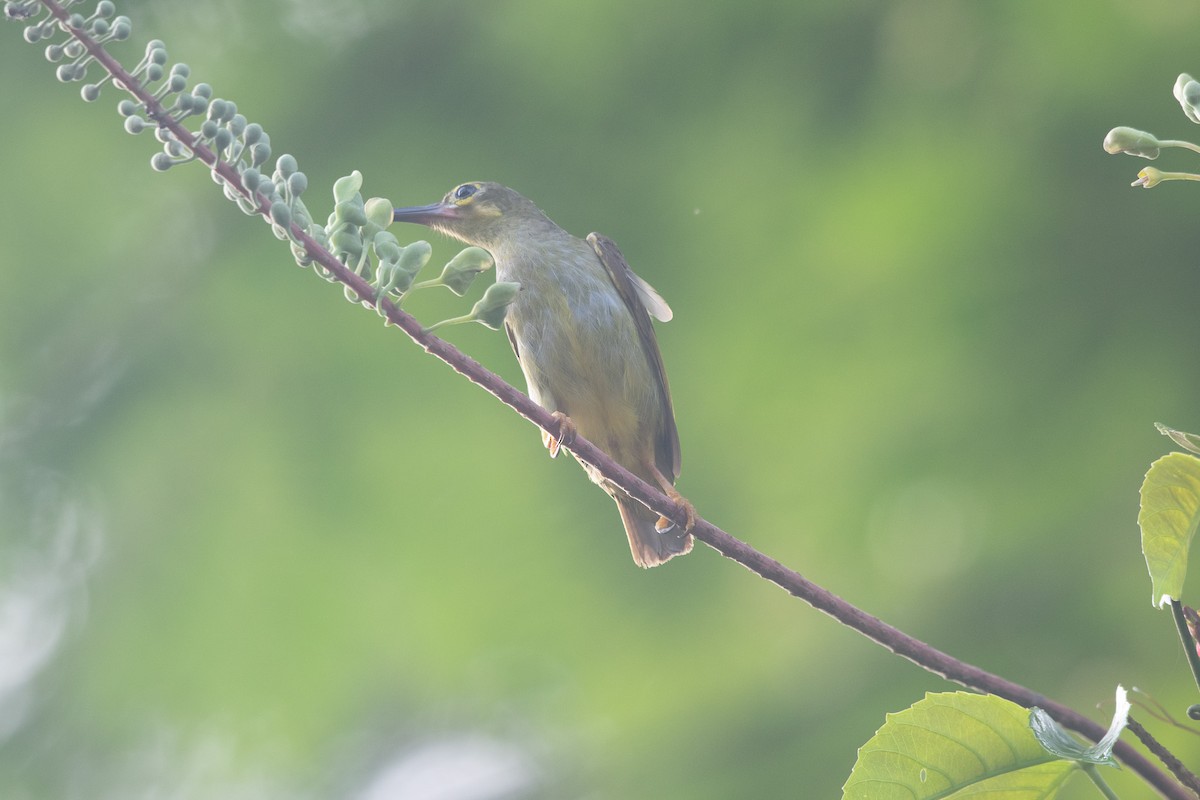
point(689, 512)
point(566, 434)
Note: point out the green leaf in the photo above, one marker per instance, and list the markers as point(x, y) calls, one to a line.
point(960, 745)
point(1058, 742)
point(1168, 518)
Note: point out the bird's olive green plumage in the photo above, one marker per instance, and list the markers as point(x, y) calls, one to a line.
point(581, 329)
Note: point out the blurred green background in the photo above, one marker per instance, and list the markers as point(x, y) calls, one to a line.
point(255, 545)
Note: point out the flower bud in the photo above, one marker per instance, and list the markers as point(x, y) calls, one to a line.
point(398, 266)
point(415, 257)
point(462, 270)
point(160, 162)
point(297, 182)
point(250, 179)
point(222, 140)
point(493, 306)
point(1148, 178)
point(286, 164)
point(351, 212)
point(386, 247)
point(252, 133)
point(70, 72)
point(379, 212)
point(346, 187)
point(281, 215)
point(1132, 142)
point(259, 153)
point(1187, 92)
point(344, 242)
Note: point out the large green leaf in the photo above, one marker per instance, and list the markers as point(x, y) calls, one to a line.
point(956, 745)
point(1168, 519)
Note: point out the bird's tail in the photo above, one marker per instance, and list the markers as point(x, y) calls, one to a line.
point(649, 547)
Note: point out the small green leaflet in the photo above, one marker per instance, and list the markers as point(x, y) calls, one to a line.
point(1169, 515)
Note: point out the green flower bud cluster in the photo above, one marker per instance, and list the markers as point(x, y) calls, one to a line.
point(101, 27)
point(1145, 145)
point(228, 134)
point(355, 232)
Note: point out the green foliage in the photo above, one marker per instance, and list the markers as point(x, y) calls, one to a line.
point(961, 745)
point(956, 744)
point(352, 234)
point(1168, 518)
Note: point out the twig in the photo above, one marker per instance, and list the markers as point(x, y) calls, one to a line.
point(1185, 775)
point(921, 654)
point(1185, 639)
point(1157, 710)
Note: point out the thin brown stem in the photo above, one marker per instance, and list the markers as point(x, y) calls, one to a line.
point(1185, 639)
point(1185, 775)
point(795, 584)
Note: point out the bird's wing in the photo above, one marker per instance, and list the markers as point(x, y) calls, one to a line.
point(643, 302)
point(512, 339)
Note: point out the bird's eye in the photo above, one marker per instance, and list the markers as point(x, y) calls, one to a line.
point(465, 191)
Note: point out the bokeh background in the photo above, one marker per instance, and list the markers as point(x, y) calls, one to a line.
point(255, 545)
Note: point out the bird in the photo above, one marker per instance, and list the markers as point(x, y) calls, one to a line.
point(581, 330)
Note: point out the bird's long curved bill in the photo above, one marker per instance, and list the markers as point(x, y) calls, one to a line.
point(423, 215)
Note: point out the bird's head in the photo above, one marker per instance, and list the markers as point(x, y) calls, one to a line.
point(479, 212)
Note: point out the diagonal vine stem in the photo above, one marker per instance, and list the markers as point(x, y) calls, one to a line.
point(795, 584)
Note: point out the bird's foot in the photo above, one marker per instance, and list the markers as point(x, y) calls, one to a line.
point(689, 512)
point(566, 434)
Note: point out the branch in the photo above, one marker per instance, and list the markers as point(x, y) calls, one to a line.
point(795, 584)
point(1185, 776)
point(1180, 613)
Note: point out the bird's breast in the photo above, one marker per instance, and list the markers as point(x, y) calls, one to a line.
point(580, 350)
